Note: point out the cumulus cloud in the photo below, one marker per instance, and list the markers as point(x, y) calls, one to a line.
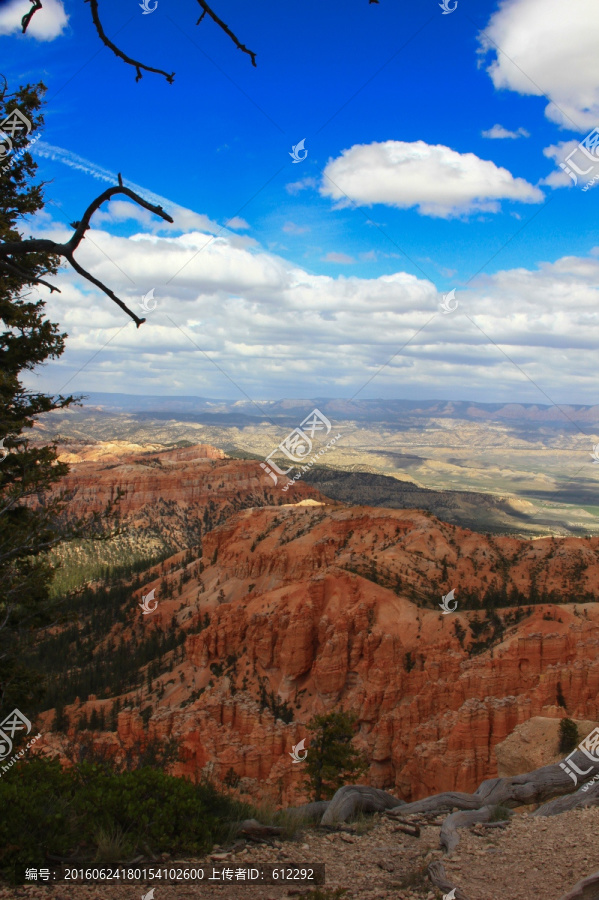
point(277, 330)
point(435, 179)
point(498, 132)
point(548, 47)
point(48, 23)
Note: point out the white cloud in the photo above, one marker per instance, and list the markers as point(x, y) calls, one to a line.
point(292, 228)
point(296, 186)
point(278, 330)
point(237, 223)
point(437, 180)
point(558, 152)
point(48, 23)
point(498, 132)
point(548, 46)
point(342, 258)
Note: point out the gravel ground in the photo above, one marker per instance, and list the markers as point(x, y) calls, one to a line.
point(530, 859)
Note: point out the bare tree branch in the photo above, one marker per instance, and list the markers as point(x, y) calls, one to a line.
point(139, 66)
point(132, 62)
point(226, 29)
point(29, 16)
point(11, 249)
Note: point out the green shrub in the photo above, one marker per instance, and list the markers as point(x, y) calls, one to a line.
point(568, 735)
point(106, 816)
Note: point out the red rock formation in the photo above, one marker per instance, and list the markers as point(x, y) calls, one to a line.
point(321, 636)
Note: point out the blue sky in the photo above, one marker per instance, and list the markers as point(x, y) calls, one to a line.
point(321, 278)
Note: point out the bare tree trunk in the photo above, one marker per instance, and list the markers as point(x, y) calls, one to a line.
point(354, 798)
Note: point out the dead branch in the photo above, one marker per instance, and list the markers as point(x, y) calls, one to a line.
point(11, 249)
point(137, 65)
point(449, 838)
point(436, 873)
point(226, 29)
point(408, 828)
point(255, 830)
point(29, 15)
point(108, 43)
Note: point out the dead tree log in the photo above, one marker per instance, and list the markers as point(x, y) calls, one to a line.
point(314, 811)
point(436, 873)
point(449, 838)
point(537, 786)
point(355, 798)
point(578, 800)
point(587, 889)
point(253, 829)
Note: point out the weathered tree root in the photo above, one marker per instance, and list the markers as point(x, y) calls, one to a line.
point(436, 873)
point(449, 837)
point(578, 800)
point(587, 889)
point(537, 786)
point(355, 798)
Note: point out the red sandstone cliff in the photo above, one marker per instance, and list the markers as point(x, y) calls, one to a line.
point(283, 607)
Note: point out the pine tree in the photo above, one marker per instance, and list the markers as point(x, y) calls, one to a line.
point(332, 760)
point(27, 340)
